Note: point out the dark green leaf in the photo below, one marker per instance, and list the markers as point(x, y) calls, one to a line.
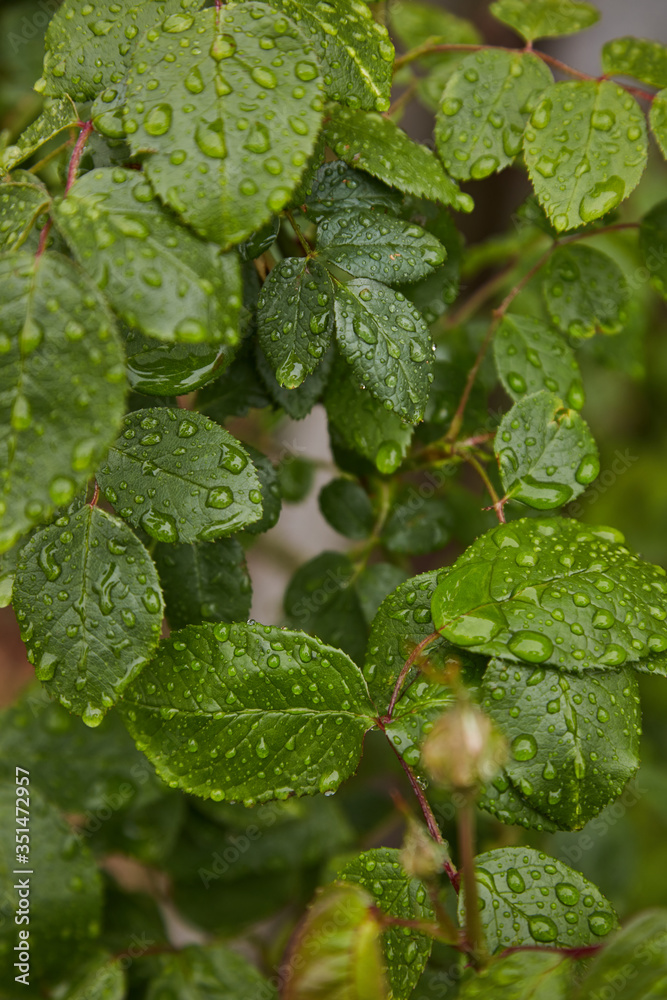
point(159, 369)
point(653, 244)
point(338, 187)
point(260, 241)
point(484, 110)
point(218, 587)
point(530, 356)
point(635, 957)
point(500, 798)
point(585, 292)
point(398, 895)
point(297, 403)
point(61, 387)
point(574, 741)
point(374, 583)
point(100, 578)
point(434, 293)
point(545, 18)
point(524, 976)
point(157, 275)
point(21, 204)
point(417, 523)
point(386, 342)
point(180, 477)
point(375, 144)
point(249, 712)
point(510, 883)
point(214, 972)
point(234, 393)
point(583, 163)
point(554, 591)
point(546, 453)
point(54, 119)
point(296, 477)
point(270, 490)
point(347, 508)
point(369, 245)
point(639, 58)
point(210, 68)
point(658, 120)
point(295, 318)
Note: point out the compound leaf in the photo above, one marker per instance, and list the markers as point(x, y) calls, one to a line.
point(249, 712)
point(554, 591)
point(62, 386)
point(338, 187)
point(545, 18)
point(585, 148)
point(546, 453)
point(585, 291)
point(54, 119)
point(224, 173)
point(523, 976)
point(639, 58)
point(180, 477)
point(157, 275)
point(102, 581)
point(530, 356)
point(484, 110)
point(21, 204)
point(218, 585)
point(212, 971)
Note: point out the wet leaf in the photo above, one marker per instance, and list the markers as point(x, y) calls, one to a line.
point(500, 798)
point(338, 187)
point(103, 979)
point(639, 58)
point(658, 120)
point(574, 741)
point(653, 246)
point(156, 368)
point(223, 172)
point(62, 387)
point(545, 18)
point(484, 110)
point(523, 976)
point(270, 489)
point(417, 524)
point(554, 591)
point(546, 453)
point(416, 24)
point(585, 292)
point(180, 477)
point(374, 583)
point(249, 712)
point(347, 508)
point(54, 119)
point(212, 971)
point(21, 204)
point(157, 275)
point(636, 956)
point(297, 403)
point(218, 587)
point(514, 878)
point(586, 148)
point(530, 356)
point(102, 582)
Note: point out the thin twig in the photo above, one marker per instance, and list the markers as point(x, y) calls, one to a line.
point(466, 830)
point(496, 502)
point(75, 160)
point(299, 235)
point(405, 670)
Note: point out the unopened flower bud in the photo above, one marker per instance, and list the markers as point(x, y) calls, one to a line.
point(464, 748)
point(421, 856)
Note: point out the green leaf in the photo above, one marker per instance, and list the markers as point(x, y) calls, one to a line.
point(218, 586)
point(511, 883)
point(530, 356)
point(639, 58)
point(321, 599)
point(270, 490)
point(369, 245)
point(180, 477)
point(61, 387)
point(355, 51)
point(65, 897)
point(238, 390)
point(585, 291)
point(158, 276)
point(398, 895)
point(523, 976)
point(295, 318)
point(89, 46)
point(417, 524)
point(584, 162)
point(297, 403)
point(636, 957)
point(484, 110)
point(260, 241)
point(338, 187)
point(387, 344)
point(21, 204)
point(375, 144)
point(347, 508)
point(500, 798)
point(296, 477)
point(658, 120)
point(158, 369)
point(374, 583)
point(652, 243)
point(103, 979)
point(554, 591)
point(102, 581)
point(574, 741)
point(545, 18)
point(210, 68)
point(417, 24)
point(54, 119)
point(212, 971)
point(546, 453)
point(361, 423)
point(273, 713)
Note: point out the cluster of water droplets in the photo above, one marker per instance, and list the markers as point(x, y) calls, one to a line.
point(585, 292)
point(531, 356)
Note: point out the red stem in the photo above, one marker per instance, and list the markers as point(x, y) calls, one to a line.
point(95, 496)
point(404, 672)
point(75, 160)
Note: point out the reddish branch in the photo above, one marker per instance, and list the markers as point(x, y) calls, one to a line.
point(72, 170)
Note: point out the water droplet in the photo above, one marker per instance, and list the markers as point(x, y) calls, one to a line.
point(600, 923)
point(261, 749)
point(542, 928)
point(524, 747)
point(159, 525)
point(588, 469)
point(515, 880)
point(158, 119)
point(210, 138)
point(601, 198)
point(531, 646)
point(219, 497)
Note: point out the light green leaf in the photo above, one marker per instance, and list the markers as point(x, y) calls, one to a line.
point(89, 46)
point(387, 344)
point(523, 976)
point(484, 110)
point(61, 387)
point(156, 368)
point(574, 741)
point(218, 589)
point(417, 24)
point(105, 587)
point(653, 244)
point(513, 912)
point(54, 119)
point(554, 591)
point(375, 144)
point(214, 972)
point(180, 477)
point(338, 187)
point(585, 291)
point(398, 895)
point(249, 712)
point(223, 172)
point(530, 356)
point(545, 18)
point(295, 318)
point(500, 798)
point(102, 980)
point(658, 120)
point(369, 245)
point(157, 275)
point(355, 51)
point(585, 148)
point(546, 453)
point(21, 204)
point(636, 957)
point(347, 507)
point(639, 58)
